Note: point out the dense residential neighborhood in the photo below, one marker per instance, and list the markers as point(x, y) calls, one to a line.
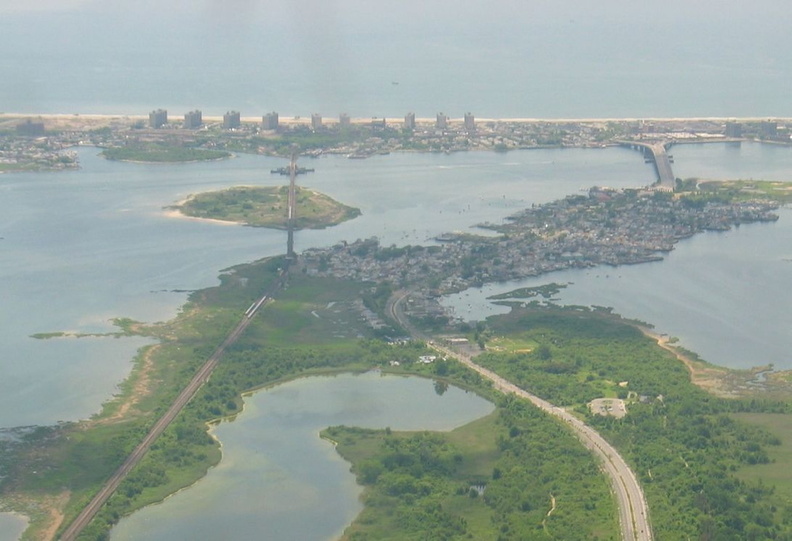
point(604, 227)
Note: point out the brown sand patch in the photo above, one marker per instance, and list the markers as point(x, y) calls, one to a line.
point(54, 506)
point(712, 379)
point(141, 387)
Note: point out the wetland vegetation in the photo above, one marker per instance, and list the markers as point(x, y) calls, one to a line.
point(688, 448)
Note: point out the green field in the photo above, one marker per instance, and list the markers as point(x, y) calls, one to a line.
point(747, 189)
point(778, 471)
point(684, 444)
point(267, 207)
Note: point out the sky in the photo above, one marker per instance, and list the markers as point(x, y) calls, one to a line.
point(438, 14)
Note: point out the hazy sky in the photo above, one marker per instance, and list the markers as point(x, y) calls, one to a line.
point(439, 12)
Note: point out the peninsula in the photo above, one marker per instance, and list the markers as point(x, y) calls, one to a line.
point(605, 226)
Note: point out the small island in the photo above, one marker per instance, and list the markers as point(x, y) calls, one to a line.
point(266, 207)
point(162, 153)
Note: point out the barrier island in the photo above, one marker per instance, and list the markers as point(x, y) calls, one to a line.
point(163, 153)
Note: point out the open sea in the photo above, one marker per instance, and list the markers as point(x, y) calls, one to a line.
point(79, 248)
point(504, 59)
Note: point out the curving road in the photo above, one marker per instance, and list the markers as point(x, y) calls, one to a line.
point(633, 510)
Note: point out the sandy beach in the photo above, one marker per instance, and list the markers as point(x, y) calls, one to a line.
point(175, 212)
point(79, 121)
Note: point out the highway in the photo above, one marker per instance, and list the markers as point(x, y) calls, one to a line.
point(630, 499)
point(110, 486)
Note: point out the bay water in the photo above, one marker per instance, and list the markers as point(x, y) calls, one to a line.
point(723, 294)
point(80, 248)
point(11, 526)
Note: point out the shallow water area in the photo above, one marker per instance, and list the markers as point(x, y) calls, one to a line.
point(80, 248)
point(277, 479)
point(11, 526)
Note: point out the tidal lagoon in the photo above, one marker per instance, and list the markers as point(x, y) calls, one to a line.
point(278, 480)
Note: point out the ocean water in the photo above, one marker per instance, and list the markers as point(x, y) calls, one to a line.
point(504, 59)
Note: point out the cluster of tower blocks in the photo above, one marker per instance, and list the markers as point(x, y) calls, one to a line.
point(231, 120)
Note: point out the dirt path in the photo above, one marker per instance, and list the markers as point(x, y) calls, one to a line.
point(55, 510)
point(550, 512)
point(142, 386)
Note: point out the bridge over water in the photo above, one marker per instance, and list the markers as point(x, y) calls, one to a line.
point(658, 150)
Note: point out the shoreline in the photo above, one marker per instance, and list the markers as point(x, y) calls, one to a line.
point(708, 377)
point(174, 213)
point(17, 515)
point(715, 379)
point(299, 119)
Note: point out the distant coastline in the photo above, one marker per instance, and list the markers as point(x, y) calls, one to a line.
point(306, 120)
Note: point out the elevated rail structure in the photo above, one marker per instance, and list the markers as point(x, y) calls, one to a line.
point(292, 205)
point(658, 151)
point(202, 375)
